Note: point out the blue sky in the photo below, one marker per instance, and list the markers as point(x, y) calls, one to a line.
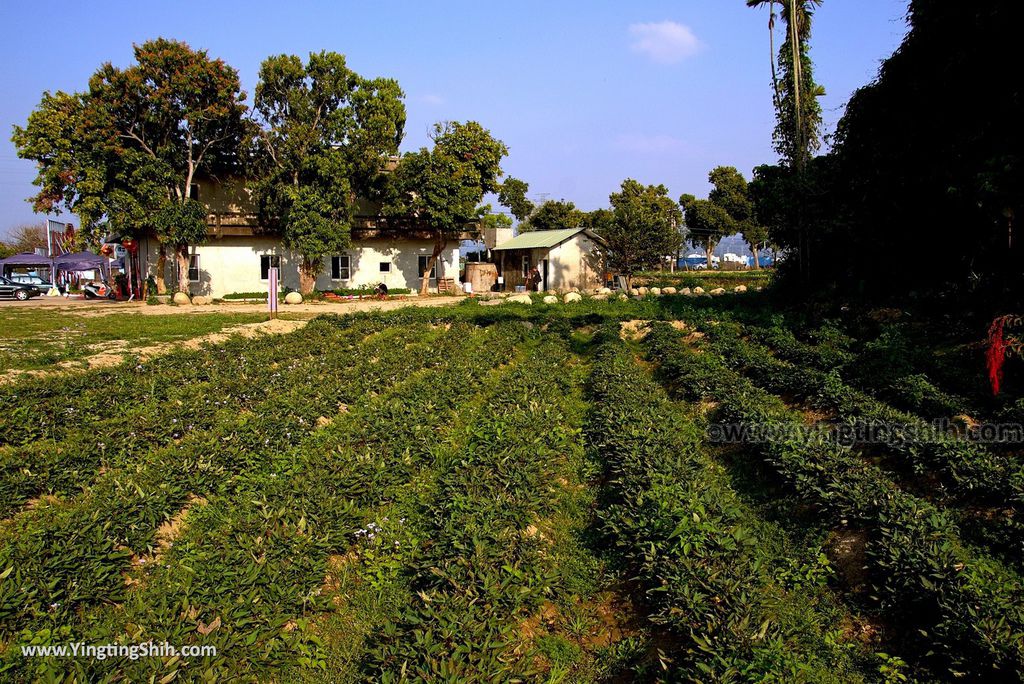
point(585, 94)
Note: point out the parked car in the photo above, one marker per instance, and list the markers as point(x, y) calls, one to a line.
point(12, 290)
point(35, 281)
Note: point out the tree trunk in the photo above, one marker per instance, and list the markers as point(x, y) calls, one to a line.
point(161, 268)
point(757, 264)
point(182, 258)
point(307, 275)
point(439, 245)
point(711, 252)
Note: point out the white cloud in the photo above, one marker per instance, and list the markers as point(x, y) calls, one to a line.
point(665, 42)
point(431, 99)
point(639, 143)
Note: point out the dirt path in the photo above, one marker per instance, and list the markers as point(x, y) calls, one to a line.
point(79, 307)
point(113, 353)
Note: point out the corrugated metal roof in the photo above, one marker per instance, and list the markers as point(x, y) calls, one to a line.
point(539, 239)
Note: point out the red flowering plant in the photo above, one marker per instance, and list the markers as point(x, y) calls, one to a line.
point(1000, 346)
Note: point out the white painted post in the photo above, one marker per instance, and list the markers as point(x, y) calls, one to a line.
point(272, 295)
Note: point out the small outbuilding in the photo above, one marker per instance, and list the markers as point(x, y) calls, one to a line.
point(565, 259)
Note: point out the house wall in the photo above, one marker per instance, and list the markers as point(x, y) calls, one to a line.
point(576, 263)
point(232, 264)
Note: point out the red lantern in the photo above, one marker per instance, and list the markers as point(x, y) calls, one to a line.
point(130, 244)
point(107, 250)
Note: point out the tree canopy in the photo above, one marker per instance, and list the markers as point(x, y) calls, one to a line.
point(327, 134)
point(443, 186)
point(130, 147)
point(513, 195)
point(553, 215)
point(641, 229)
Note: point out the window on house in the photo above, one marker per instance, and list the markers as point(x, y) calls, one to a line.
point(193, 268)
point(267, 262)
point(421, 265)
point(526, 265)
point(340, 269)
point(193, 191)
point(385, 267)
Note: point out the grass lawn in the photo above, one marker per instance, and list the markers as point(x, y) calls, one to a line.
point(709, 280)
point(37, 338)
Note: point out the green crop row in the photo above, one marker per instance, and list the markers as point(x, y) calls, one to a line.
point(898, 383)
point(187, 412)
point(52, 408)
point(483, 565)
point(254, 556)
point(967, 608)
point(972, 471)
point(126, 504)
point(713, 571)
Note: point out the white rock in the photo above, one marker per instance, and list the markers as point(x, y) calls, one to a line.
point(600, 297)
point(199, 300)
point(293, 298)
point(698, 291)
point(740, 288)
point(635, 292)
point(181, 298)
point(604, 291)
point(668, 290)
point(519, 299)
point(490, 302)
point(656, 291)
point(642, 291)
point(550, 299)
point(718, 291)
point(686, 291)
point(551, 292)
point(571, 297)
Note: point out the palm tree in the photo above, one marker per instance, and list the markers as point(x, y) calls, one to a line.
point(797, 16)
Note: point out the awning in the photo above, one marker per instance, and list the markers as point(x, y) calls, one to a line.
point(80, 261)
point(25, 259)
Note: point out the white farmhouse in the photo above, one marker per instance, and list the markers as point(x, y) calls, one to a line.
point(238, 254)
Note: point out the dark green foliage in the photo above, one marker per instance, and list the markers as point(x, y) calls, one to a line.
point(966, 606)
point(708, 565)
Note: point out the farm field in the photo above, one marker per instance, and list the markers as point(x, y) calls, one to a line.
point(33, 338)
point(564, 493)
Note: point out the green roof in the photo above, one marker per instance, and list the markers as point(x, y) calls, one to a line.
point(539, 239)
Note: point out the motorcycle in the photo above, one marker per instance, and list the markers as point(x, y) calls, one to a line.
point(97, 290)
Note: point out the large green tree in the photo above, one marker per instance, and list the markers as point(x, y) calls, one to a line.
point(513, 195)
point(641, 230)
point(441, 187)
point(327, 134)
point(129, 149)
point(730, 191)
point(553, 215)
point(707, 223)
point(795, 94)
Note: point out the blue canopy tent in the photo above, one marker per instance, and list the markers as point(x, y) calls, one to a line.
point(81, 261)
point(24, 259)
point(27, 259)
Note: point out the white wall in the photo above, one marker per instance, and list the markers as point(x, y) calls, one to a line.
point(574, 263)
point(232, 264)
